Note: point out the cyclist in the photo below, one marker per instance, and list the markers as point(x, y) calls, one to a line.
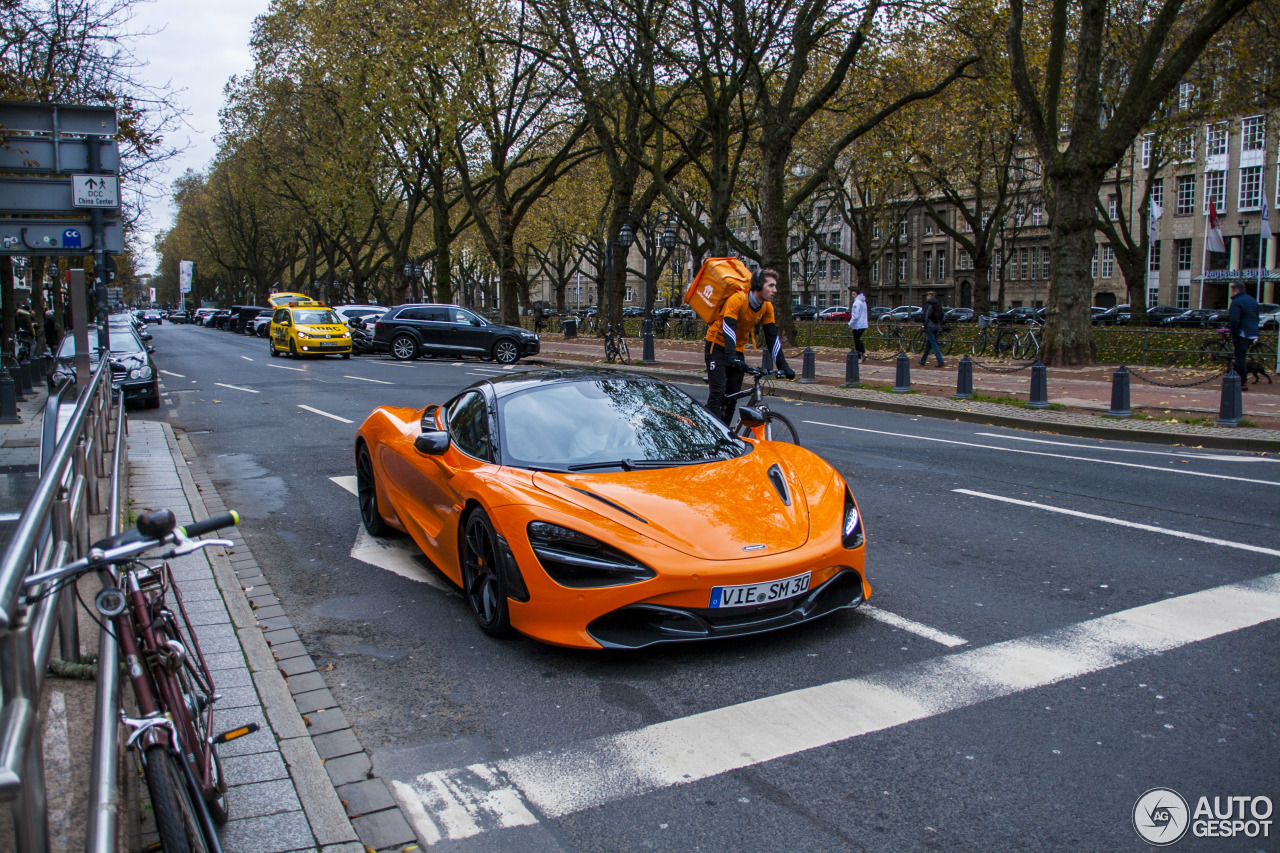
point(727, 337)
point(1244, 328)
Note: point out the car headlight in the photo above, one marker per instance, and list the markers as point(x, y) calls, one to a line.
point(851, 530)
point(143, 372)
point(579, 561)
point(303, 335)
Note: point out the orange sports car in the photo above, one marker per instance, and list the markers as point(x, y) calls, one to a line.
point(599, 509)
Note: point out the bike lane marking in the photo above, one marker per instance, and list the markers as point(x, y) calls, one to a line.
point(920, 630)
point(1194, 457)
point(1150, 528)
point(367, 379)
point(467, 801)
point(1044, 453)
point(285, 367)
point(325, 414)
point(174, 375)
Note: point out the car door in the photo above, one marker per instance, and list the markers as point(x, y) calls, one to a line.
point(469, 334)
point(431, 324)
point(280, 325)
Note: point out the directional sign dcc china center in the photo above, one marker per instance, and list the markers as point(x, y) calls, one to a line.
point(96, 190)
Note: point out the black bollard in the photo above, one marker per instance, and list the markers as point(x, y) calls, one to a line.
point(647, 338)
point(570, 327)
point(1120, 394)
point(8, 400)
point(15, 373)
point(903, 378)
point(1039, 386)
point(24, 369)
point(808, 367)
point(852, 379)
point(964, 380)
point(37, 370)
point(1231, 408)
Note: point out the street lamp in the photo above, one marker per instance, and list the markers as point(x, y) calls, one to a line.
point(649, 226)
point(413, 272)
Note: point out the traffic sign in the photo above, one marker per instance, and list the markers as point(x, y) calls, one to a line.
point(42, 155)
point(56, 237)
point(95, 190)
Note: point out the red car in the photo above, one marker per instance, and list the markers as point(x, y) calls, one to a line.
point(835, 312)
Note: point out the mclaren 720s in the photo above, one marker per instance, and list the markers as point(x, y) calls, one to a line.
point(598, 509)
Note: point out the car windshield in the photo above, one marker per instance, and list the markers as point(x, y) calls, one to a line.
point(121, 342)
point(316, 318)
point(609, 423)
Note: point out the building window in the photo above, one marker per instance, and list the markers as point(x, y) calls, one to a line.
point(822, 269)
point(1037, 216)
point(835, 239)
point(1093, 265)
point(795, 270)
point(1184, 147)
point(1035, 262)
point(942, 264)
point(630, 295)
point(1186, 96)
point(1182, 248)
point(1112, 204)
point(795, 242)
point(1146, 151)
point(1253, 133)
point(875, 231)
point(875, 271)
point(1215, 189)
point(1251, 188)
point(927, 269)
point(1186, 194)
point(1157, 191)
point(1153, 259)
point(1025, 263)
point(1108, 261)
point(836, 271)
point(902, 267)
point(902, 229)
point(1215, 140)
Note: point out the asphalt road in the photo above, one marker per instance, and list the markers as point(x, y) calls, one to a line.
point(1057, 626)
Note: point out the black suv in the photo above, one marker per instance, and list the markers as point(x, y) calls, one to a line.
point(408, 331)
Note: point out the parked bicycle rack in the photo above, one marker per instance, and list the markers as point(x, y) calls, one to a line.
point(54, 529)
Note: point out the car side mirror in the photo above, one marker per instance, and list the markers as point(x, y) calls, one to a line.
point(151, 349)
point(432, 443)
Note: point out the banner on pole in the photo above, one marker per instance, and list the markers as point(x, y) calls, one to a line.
point(184, 276)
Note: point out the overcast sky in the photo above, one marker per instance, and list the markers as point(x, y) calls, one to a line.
point(196, 47)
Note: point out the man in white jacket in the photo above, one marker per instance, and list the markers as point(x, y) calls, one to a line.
point(858, 321)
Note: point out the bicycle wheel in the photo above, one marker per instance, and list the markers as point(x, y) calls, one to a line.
point(946, 341)
point(917, 342)
point(980, 343)
point(886, 329)
point(1216, 351)
point(777, 427)
point(610, 349)
point(623, 353)
point(176, 815)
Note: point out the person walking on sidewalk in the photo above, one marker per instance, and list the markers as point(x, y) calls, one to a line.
point(932, 322)
point(858, 321)
point(1243, 322)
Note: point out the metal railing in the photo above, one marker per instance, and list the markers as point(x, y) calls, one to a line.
point(54, 529)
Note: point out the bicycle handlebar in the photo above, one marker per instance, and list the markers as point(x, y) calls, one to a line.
point(125, 546)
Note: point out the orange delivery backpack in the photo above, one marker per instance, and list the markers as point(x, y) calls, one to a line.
point(718, 279)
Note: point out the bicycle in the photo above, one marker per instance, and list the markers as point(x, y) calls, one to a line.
point(1026, 346)
point(171, 682)
point(756, 420)
point(1000, 338)
point(944, 336)
point(1220, 348)
point(615, 345)
point(895, 336)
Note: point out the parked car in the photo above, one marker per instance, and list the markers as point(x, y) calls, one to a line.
point(261, 325)
point(1268, 316)
point(368, 313)
point(133, 372)
point(633, 311)
point(1020, 315)
point(958, 315)
point(408, 331)
point(836, 313)
point(1197, 318)
point(562, 506)
point(1116, 315)
point(241, 322)
point(878, 312)
point(152, 316)
point(804, 312)
point(907, 314)
point(1157, 314)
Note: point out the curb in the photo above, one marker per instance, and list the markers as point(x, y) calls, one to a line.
point(285, 677)
point(1222, 439)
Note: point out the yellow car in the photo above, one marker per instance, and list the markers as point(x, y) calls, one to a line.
point(284, 297)
point(308, 328)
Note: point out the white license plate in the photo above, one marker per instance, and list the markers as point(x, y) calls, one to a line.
point(759, 593)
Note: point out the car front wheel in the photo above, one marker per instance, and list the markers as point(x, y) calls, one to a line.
point(404, 348)
point(367, 495)
point(505, 351)
point(482, 583)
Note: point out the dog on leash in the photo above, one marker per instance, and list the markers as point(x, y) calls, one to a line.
point(1256, 369)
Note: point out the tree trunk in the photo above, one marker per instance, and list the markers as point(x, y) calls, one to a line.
point(775, 149)
point(1068, 336)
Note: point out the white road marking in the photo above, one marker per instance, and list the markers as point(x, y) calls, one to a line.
point(1053, 455)
point(246, 358)
point(398, 556)
point(325, 414)
point(171, 373)
point(348, 483)
point(467, 801)
point(1198, 457)
point(905, 624)
point(391, 363)
point(285, 367)
point(236, 388)
point(10, 516)
point(1150, 528)
point(366, 379)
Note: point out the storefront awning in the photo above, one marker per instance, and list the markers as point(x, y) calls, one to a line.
point(1224, 276)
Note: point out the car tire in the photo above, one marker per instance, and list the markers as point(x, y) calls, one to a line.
point(153, 402)
point(346, 355)
point(367, 495)
point(293, 350)
point(275, 353)
point(404, 348)
point(506, 351)
point(483, 585)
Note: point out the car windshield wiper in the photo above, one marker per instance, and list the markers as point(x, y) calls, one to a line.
point(633, 464)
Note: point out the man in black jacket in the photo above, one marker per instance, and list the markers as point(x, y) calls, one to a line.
point(932, 322)
point(1244, 328)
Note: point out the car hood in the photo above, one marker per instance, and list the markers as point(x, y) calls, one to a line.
point(727, 510)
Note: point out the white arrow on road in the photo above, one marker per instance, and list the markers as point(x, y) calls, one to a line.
point(398, 556)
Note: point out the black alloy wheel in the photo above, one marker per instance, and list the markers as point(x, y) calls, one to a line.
point(275, 353)
point(482, 583)
point(404, 348)
point(505, 351)
point(367, 495)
